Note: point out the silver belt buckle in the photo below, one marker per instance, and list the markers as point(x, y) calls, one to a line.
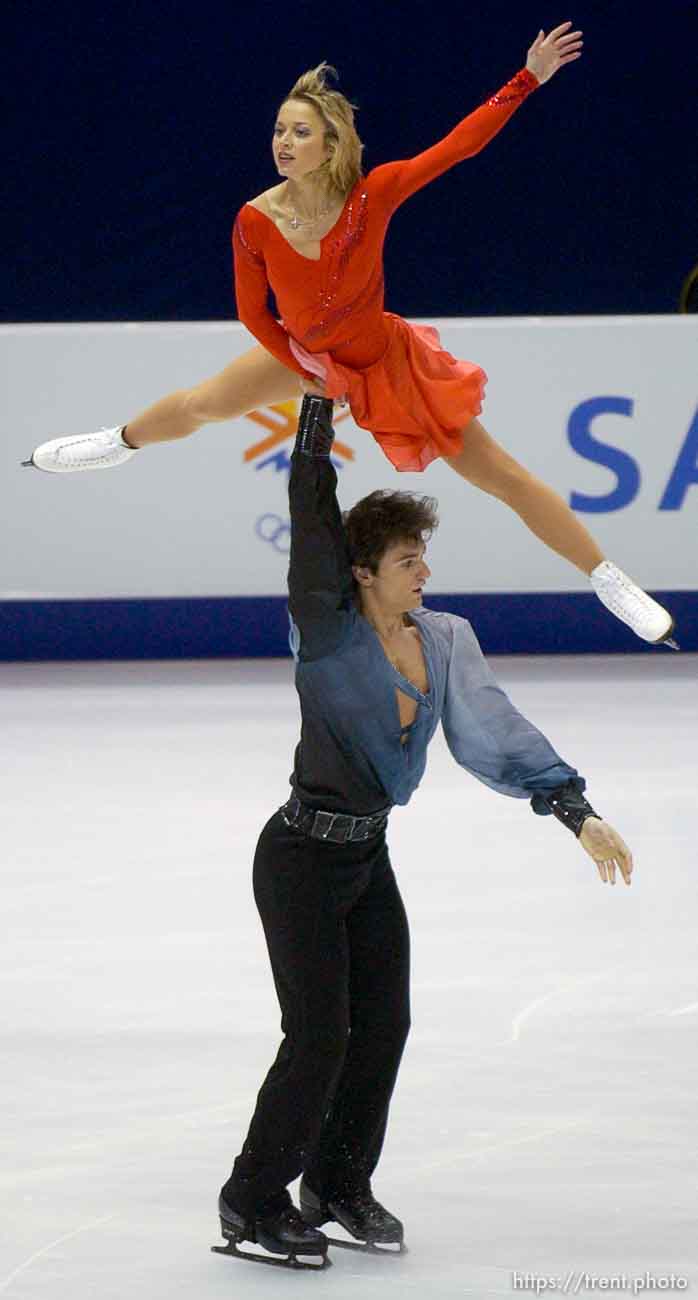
point(318, 824)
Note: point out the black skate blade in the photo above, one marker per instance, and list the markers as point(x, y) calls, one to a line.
point(276, 1261)
point(28, 464)
point(370, 1247)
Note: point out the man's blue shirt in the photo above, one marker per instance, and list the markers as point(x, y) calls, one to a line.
point(353, 754)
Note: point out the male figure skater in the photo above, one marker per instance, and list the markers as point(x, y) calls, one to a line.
point(375, 673)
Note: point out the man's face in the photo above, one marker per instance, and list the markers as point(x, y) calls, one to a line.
point(402, 573)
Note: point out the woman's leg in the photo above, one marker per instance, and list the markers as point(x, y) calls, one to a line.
point(489, 467)
point(252, 380)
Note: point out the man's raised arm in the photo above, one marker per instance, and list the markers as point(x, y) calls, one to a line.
point(320, 583)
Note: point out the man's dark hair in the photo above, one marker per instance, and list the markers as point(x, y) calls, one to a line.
point(384, 518)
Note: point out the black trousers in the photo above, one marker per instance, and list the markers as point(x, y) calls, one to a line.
point(338, 941)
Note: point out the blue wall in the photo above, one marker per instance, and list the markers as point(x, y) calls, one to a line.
point(257, 626)
point(138, 130)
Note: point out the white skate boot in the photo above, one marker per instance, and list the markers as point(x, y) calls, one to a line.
point(632, 605)
point(98, 450)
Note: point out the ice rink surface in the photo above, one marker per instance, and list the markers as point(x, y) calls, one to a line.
point(544, 1126)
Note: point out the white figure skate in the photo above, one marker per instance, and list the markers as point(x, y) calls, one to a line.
point(99, 450)
point(632, 605)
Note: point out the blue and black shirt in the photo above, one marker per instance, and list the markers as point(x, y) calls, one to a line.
point(353, 755)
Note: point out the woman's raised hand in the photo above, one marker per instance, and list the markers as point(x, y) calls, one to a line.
point(548, 53)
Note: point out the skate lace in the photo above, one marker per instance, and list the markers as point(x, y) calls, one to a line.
point(72, 453)
point(635, 597)
point(620, 592)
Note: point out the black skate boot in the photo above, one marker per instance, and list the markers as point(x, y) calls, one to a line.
point(279, 1228)
point(376, 1230)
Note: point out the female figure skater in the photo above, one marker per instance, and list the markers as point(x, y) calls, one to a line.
point(316, 239)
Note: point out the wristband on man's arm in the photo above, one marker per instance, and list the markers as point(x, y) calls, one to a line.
point(315, 433)
point(567, 803)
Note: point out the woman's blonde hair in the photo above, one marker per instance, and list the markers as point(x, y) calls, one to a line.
point(343, 168)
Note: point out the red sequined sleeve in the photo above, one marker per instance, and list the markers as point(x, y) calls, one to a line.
point(252, 295)
point(398, 180)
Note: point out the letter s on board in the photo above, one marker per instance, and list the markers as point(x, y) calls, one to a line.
point(624, 467)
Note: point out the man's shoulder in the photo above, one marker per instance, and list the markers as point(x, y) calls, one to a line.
point(439, 618)
point(444, 626)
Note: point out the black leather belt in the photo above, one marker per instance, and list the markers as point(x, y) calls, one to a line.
point(338, 827)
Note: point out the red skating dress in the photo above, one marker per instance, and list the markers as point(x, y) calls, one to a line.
point(401, 385)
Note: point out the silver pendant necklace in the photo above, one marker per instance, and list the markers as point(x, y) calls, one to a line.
point(296, 222)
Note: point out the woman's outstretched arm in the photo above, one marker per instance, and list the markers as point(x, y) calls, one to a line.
point(398, 180)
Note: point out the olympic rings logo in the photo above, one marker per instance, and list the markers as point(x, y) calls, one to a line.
point(275, 531)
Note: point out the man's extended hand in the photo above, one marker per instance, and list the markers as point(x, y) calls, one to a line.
point(608, 850)
point(548, 53)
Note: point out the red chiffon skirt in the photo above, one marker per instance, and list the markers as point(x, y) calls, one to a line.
point(416, 399)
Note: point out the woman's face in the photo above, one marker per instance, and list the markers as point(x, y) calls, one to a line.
point(299, 139)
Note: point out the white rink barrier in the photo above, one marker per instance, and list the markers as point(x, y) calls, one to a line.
point(603, 408)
